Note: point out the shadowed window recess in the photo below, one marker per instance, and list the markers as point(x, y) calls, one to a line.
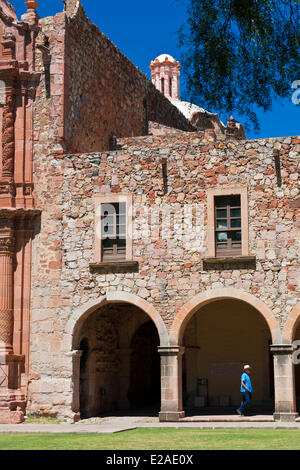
point(113, 231)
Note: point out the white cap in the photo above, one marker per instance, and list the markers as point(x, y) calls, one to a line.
point(247, 367)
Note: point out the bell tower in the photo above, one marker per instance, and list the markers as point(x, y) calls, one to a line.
point(165, 73)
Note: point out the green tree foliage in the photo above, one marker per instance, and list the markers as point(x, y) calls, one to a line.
point(241, 54)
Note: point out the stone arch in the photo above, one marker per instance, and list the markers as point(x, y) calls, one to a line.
point(80, 315)
point(290, 325)
point(188, 310)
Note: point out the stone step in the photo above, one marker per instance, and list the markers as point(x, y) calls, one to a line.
point(229, 419)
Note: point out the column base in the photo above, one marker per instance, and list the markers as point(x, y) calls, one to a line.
point(171, 415)
point(11, 417)
point(285, 417)
point(12, 399)
point(12, 407)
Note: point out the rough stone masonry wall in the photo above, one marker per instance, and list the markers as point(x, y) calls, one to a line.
point(170, 271)
point(50, 96)
point(105, 92)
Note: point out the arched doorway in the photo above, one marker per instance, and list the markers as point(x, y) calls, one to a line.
point(219, 338)
point(116, 340)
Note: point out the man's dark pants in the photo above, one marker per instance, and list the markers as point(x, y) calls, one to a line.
point(246, 400)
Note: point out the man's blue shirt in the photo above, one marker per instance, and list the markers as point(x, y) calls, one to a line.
point(246, 379)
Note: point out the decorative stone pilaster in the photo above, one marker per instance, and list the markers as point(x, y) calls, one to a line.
point(7, 244)
point(171, 383)
point(285, 399)
point(12, 399)
point(8, 134)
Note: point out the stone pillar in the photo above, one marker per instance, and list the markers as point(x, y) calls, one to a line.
point(76, 355)
point(285, 398)
point(171, 383)
point(7, 244)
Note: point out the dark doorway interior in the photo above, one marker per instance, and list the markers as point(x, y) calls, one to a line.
point(144, 389)
point(120, 364)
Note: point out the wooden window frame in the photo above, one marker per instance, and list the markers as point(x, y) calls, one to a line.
point(211, 219)
point(112, 199)
point(227, 248)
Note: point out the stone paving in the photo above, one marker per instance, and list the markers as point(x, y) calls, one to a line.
point(116, 424)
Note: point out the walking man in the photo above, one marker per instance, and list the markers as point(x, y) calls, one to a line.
point(246, 389)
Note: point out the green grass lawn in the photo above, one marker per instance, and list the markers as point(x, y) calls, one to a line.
point(158, 439)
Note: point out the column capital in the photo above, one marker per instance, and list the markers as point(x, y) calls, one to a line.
point(281, 349)
point(171, 350)
point(7, 246)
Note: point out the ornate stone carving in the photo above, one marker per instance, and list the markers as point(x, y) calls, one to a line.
point(7, 188)
point(231, 126)
point(7, 246)
point(107, 338)
point(27, 189)
point(235, 129)
point(8, 134)
point(6, 327)
point(9, 46)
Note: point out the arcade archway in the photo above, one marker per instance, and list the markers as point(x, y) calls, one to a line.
point(219, 338)
point(119, 364)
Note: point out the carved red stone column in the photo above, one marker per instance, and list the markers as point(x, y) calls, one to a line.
point(7, 244)
point(12, 400)
point(8, 146)
point(8, 134)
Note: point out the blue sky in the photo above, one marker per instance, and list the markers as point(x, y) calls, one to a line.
point(144, 30)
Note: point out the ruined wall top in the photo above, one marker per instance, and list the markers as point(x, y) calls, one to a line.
point(71, 7)
point(7, 10)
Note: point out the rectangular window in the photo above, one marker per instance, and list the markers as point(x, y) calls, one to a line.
point(113, 231)
point(228, 225)
point(113, 228)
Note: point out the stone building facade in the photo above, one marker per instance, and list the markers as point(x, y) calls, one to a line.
point(142, 260)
